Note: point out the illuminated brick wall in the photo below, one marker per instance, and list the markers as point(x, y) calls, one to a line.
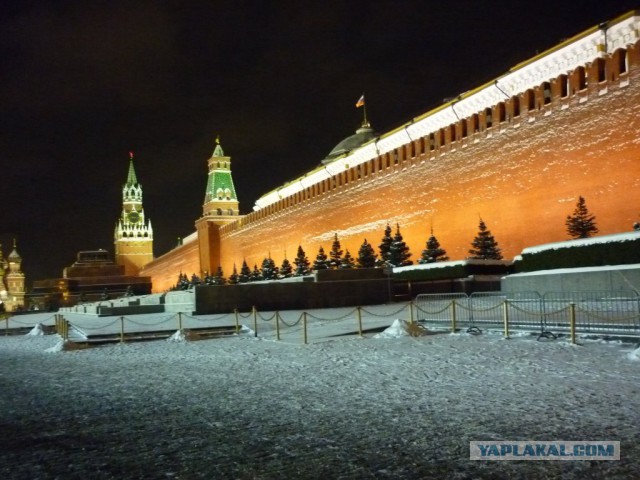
point(520, 165)
point(164, 270)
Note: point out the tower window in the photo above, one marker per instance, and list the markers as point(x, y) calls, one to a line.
point(600, 70)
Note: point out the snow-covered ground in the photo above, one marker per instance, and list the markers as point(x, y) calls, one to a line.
point(385, 406)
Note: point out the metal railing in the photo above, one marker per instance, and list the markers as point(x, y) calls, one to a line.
point(606, 313)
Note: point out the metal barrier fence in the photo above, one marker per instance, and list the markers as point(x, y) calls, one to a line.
point(609, 313)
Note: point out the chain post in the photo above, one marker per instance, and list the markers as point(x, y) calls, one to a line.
point(572, 321)
point(304, 323)
point(180, 321)
point(359, 320)
point(277, 325)
point(453, 316)
point(255, 321)
point(505, 310)
point(121, 329)
point(235, 312)
point(411, 311)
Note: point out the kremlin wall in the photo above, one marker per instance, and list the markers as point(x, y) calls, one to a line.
point(517, 152)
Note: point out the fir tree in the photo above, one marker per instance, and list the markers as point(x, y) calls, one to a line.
point(335, 255)
point(321, 262)
point(234, 278)
point(301, 262)
point(433, 252)
point(366, 256)
point(269, 269)
point(245, 273)
point(399, 251)
point(286, 270)
point(385, 247)
point(218, 278)
point(581, 224)
point(484, 245)
point(347, 261)
point(256, 275)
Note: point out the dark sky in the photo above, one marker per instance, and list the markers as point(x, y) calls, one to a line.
point(83, 83)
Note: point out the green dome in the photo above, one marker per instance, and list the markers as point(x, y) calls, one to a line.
point(362, 136)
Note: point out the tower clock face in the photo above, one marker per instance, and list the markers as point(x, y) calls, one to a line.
point(133, 217)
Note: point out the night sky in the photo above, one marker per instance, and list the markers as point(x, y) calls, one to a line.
point(83, 83)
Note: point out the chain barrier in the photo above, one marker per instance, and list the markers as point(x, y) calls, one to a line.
point(292, 324)
point(383, 315)
point(247, 315)
point(591, 313)
point(332, 319)
point(95, 328)
point(220, 317)
point(529, 312)
point(13, 320)
point(436, 312)
point(265, 318)
point(165, 320)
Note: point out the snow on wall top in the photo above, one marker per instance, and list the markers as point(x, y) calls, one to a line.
point(580, 242)
point(577, 51)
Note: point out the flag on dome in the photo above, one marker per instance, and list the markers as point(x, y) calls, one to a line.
point(360, 102)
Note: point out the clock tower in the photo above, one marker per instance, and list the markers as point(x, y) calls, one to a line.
point(133, 236)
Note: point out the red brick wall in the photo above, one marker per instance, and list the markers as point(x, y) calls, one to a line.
point(522, 176)
point(164, 270)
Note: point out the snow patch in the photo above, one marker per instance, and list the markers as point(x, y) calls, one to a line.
point(397, 329)
point(37, 330)
point(178, 337)
point(634, 355)
point(617, 237)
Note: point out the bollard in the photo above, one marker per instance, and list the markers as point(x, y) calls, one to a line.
point(179, 321)
point(121, 329)
point(235, 311)
point(277, 326)
point(359, 321)
point(411, 311)
point(453, 316)
point(572, 322)
point(505, 310)
point(255, 321)
point(304, 324)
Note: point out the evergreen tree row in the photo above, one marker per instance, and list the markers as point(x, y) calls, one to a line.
point(393, 252)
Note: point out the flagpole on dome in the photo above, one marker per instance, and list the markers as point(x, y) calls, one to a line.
point(362, 103)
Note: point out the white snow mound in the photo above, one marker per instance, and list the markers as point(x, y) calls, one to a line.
point(178, 337)
point(634, 355)
point(397, 329)
point(37, 330)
